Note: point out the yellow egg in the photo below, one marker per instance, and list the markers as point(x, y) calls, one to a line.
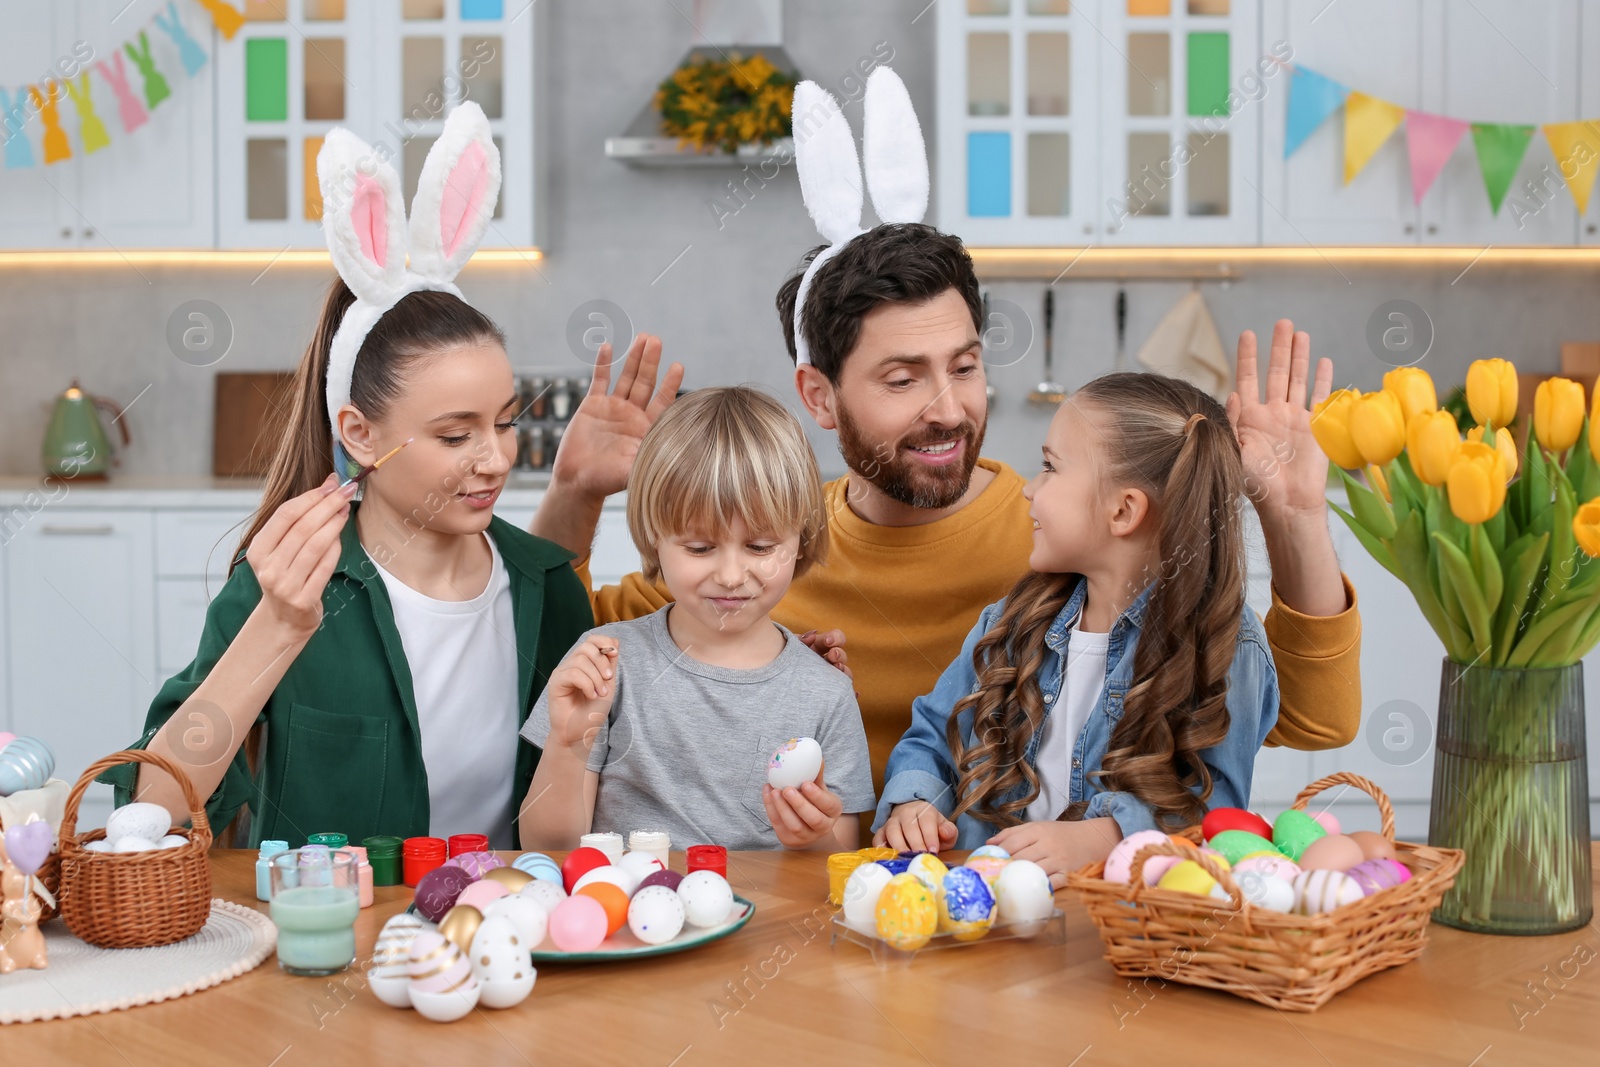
point(1187, 876)
point(907, 913)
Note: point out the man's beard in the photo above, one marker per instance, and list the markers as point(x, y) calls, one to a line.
point(902, 478)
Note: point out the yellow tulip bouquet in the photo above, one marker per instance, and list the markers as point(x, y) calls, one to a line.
point(1500, 556)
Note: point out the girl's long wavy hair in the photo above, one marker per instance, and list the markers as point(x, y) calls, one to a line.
point(1175, 443)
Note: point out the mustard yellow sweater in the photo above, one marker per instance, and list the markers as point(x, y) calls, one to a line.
point(906, 597)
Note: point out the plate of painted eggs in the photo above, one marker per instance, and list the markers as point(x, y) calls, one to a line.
point(912, 901)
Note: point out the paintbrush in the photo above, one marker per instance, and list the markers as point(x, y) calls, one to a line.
point(380, 461)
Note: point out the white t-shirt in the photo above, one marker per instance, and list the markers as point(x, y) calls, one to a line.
point(463, 660)
point(1085, 677)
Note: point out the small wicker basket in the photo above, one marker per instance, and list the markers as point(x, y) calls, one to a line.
point(1290, 962)
point(135, 899)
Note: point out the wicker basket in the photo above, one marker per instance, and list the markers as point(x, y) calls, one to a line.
point(1291, 962)
point(135, 899)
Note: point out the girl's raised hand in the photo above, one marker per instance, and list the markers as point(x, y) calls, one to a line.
point(295, 553)
point(582, 690)
point(916, 827)
point(802, 817)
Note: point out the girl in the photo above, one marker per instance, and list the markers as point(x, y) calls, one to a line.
point(668, 721)
point(1123, 684)
point(366, 667)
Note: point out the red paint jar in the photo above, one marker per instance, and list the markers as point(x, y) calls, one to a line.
point(462, 843)
point(421, 855)
point(708, 858)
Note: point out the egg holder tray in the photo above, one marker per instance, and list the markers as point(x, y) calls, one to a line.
point(1289, 962)
point(1051, 930)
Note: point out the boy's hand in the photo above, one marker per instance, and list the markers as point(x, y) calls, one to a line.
point(802, 817)
point(1059, 847)
point(581, 691)
point(916, 826)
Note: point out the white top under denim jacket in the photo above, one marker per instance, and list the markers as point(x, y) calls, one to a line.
point(921, 766)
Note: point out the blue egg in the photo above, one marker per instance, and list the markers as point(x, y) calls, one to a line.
point(896, 866)
point(967, 896)
point(990, 850)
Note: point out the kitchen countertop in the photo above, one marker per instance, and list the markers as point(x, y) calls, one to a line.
point(777, 992)
point(170, 491)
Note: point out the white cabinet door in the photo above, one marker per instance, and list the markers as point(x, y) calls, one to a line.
point(1375, 46)
point(81, 643)
point(1513, 62)
point(1589, 104)
point(40, 205)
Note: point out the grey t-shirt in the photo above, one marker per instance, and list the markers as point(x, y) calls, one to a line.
point(686, 747)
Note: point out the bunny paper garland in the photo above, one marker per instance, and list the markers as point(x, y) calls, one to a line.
point(364, 221)
point(830, 175)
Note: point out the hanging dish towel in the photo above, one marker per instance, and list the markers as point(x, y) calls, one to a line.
point(1185, 344)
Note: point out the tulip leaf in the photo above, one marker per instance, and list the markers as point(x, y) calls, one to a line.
point(1455, 570)
point(1442, 520)
point(1377, 547)
point(1486, 565)
point(1411, 549)
point(1549, 621)
point(1556, 650)
point(1586, 640)
point(1525, 558)
point(1563, 545)
point(1539, 488)
point(1579, 463)
point(1369, 508)
point(1402, 488)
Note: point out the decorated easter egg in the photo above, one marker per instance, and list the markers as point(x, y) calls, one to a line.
point(861, 891)
point(1327, 820)
point(1119, 862)
point(1237, 844)
point(501, 964)
point(1377, 874)
point(966, 904)
point(1293, 831)
point(578, 924)
point(615, 875)
point(1272, 863)
point(509, 877)
point(640, 864)
point(1322, 891)
point(1023, 895)
point(1335, 852)
point(549, 894)
point(1187, 876)
point(99, 844)
point(27, 763)
point(670, 879)
point(1373, 846)
point(481, 893)
point(442, 986)
point(611, 898)
point(476, 864)
point(532, 862)
point(988, 867)
point(907, 913)
point(438, 889)
point(928, 869)
point(1266, 891)
point(1219, 819)
point(460, 924)
point(530, 917)
point(795, 762)
point(988, 850)
point(707, 898)
point(390, 973)
point(896, 866)
point(579, 862)
point(656, 914)
point(148, 822)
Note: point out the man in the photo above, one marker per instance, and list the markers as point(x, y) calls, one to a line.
point(924, 533)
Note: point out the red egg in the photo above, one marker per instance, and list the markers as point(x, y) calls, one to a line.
point(1220, 819)
point(579, 862)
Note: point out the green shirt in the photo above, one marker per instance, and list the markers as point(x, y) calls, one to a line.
point(342, 750)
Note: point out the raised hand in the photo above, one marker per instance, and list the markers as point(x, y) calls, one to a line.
point(602, 438)
point(1285, 472)
point(582, 689)
point(294, 555)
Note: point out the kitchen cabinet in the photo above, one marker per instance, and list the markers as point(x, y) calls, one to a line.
point(152, 188)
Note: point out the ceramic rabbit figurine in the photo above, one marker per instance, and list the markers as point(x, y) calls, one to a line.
point(21, 941)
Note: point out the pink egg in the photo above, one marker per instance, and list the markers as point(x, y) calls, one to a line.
point(1327, 820)
point(1277, 866)
point(479, 894)
point(578, 924)
point(476, 864)
point(1377, 874)
point(434, 964)
point(1120, 861)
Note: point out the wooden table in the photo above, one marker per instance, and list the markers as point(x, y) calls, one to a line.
point(776, 992)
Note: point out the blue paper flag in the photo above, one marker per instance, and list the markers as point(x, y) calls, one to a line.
point(13, 120)
point(1312, 98)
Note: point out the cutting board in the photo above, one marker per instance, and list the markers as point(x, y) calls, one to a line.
point(249, 415)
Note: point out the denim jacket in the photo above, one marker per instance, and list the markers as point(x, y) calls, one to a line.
point(921, 766)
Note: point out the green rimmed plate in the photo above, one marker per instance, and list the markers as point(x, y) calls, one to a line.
point(622, 945)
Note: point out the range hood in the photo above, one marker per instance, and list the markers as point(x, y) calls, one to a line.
point(749, 27)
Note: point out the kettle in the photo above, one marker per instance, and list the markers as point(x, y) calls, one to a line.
point(75, 443)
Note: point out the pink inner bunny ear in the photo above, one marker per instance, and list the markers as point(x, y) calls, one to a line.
point(464, 193)
point(369, 219)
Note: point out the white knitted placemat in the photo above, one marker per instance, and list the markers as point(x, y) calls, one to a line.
point(85, 980)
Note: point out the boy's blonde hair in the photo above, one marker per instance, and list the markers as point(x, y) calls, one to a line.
point(721, 453)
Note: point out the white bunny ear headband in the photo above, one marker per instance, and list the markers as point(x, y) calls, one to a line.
point(830, 176)
point(364, 220)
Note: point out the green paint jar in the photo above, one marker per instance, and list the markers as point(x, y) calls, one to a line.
point(383, 853)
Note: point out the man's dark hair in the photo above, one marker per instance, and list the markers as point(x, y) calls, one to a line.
point(897, 263)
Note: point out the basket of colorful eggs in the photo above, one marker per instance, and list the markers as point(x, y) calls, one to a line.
point(1285, 914)
point(139, 882)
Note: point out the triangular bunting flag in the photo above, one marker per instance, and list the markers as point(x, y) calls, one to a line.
point(1576, 146)
point(1430, 139)
point(1501, 147)
point(1312, 98)
point(1368, 122)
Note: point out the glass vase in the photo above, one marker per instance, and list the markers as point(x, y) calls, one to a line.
point(1511, 789)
